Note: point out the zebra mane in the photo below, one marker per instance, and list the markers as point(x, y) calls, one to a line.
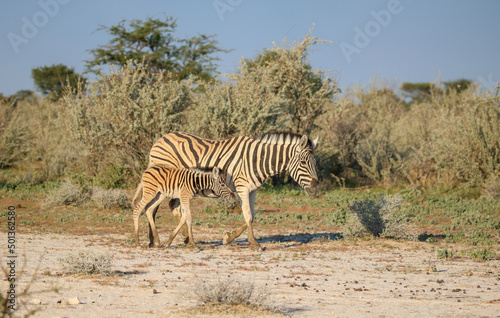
point(201, 170)
point(282, 138)
point(207, 170)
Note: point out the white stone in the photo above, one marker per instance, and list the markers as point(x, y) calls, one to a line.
point(35, 301)
point(74, 301)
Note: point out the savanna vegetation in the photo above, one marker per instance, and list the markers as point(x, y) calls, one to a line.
point(436, 147)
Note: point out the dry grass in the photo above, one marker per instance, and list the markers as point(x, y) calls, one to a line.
point(230, 295)
point(105, 199)
point(379, 218)
point(67, 193)
point(86, 263)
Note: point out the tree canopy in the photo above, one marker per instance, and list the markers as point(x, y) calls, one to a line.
point(50, 80)
point(154, 43)
point(419, 92)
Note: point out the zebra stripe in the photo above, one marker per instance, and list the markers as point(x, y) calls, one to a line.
point(160, 182)
point(247, 161)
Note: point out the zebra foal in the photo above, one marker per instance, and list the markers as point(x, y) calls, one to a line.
point(160, 182)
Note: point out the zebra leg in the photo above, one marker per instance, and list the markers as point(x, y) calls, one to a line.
point(147, 200)
point(247, 205)
point(175, 207)
point(182, 222)
point(151, 236)
point(137, 212)
point(189, 223)
point(230, 236)
point(149, 214)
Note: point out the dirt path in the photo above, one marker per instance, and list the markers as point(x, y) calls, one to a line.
point(316, 279)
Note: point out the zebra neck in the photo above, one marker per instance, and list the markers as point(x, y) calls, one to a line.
point(276, 162)
point(202, 181)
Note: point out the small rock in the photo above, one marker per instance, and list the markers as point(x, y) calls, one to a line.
point(74, 301)
point(35, 301)
point(62, 302)
point(155, 291)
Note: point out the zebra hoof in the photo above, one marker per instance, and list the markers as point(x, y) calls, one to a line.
point(257, 248)
point(225, 239)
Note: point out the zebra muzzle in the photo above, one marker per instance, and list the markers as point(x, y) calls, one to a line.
point(313, 188)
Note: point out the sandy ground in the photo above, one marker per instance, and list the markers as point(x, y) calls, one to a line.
point(320, 278)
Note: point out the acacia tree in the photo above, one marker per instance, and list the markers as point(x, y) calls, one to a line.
point(50, 80)
point(419, 92)
point(153, 43)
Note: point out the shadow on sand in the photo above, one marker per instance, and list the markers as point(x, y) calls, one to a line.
point(297, 239)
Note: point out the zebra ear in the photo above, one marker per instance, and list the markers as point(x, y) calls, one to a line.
point(315, 142)
point(303, 142)
point(215, 172)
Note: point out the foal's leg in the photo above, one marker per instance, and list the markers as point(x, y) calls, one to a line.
point(175, 208)
point(149, 214)
point(189, 221)
point(182, 222)
point(150, 234)
point(185, 220)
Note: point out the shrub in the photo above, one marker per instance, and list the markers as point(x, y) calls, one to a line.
point(34, 131)
point(444, 253)
point(279, 90)
point(470, 146)
point(378, 218)
point(491, 187)
point(243, 107)
point(106, 199)
point(449, 138)
point(224, 204)
point(482, 254)
point(67, 193)
point(85, 263)
point(363, 136)
point(230, 291)
point(80, 190)
point(120, 115)
point(376, 152)
point(12, 138)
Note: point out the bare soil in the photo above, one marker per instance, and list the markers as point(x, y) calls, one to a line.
point(307, 275)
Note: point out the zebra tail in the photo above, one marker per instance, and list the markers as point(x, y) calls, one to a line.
point(135, 199)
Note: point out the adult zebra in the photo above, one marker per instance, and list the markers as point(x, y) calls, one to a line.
point(247, 161)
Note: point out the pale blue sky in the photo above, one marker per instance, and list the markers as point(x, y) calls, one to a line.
point(416, 41)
